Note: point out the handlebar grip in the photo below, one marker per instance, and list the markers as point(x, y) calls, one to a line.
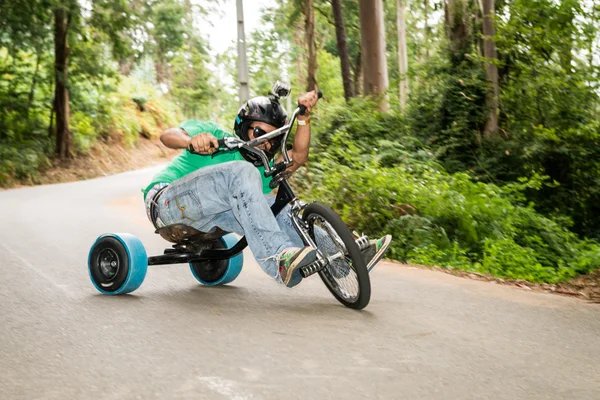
point(190, 148)
point(303, 108)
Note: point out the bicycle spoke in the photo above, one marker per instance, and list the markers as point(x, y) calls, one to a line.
point(339, 271)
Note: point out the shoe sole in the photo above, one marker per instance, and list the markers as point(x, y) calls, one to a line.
point(379, 255)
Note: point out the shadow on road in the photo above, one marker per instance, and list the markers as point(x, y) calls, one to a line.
point(235, 298)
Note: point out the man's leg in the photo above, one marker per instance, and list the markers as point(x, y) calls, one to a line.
point(205, 198)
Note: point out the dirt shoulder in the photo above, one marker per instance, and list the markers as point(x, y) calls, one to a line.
point(585, 287)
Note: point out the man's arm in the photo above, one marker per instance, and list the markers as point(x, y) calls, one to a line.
point(177, 138)
point(299, 151)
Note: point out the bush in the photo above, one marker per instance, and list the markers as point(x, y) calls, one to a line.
point(98, 112)
point(437, 218)
point(22, 161)
point(136, 109)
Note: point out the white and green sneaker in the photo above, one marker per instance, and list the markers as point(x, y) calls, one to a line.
point(291, 260)
point(376, 250)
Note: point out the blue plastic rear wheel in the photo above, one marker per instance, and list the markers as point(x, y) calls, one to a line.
point(219, 272)
point(117, 263)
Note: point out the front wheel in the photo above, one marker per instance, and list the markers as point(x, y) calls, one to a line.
point(346, 277)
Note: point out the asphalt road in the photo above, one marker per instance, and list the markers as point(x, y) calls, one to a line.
point(425, 335)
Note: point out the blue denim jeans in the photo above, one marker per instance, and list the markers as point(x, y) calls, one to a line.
point(229, 196)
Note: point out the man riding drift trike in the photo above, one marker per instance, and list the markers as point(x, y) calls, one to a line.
point(221, 184)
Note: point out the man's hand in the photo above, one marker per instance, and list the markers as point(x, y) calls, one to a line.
point(202, 143)
point(308, 100)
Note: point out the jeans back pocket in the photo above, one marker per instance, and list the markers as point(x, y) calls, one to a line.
point(182, 207)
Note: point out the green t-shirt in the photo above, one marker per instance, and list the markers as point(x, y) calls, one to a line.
point(187, 162)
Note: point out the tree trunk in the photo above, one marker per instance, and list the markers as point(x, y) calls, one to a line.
point(13, 67)
point(457, 29)
point(477, 10)
point(161, 70)
point(426, 29)
point(566, 48)
point(299, 72)
point(51, 124)
point(340, 34)
point(309, 24)
point(357, 74)
point(33, 83)
point(373, 48)
point(402, 56)
point(126, 65)
point(61, 72)
point(491, 70)
point(299, 57)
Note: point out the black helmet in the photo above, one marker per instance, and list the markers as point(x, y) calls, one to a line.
point(264, 109)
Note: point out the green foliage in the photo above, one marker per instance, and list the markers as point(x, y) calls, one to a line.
point(22, 160)
point(447, 110)
point(503, 203)
point(169, 30)
point(192, 89)
point(549, 108)
point(104, 38)
point(100, 113)
point(360, 120)
point(264, 60)
point(328, 75)
point(550, 105)
point(120, 116)
point(436, 218)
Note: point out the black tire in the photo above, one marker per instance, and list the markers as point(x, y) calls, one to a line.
point(210, 271)
point(350, 270)
point(219, 272)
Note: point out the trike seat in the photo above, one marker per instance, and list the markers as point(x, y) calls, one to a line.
point(181, 233)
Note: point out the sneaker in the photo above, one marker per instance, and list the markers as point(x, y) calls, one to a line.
point(377, 248)
point(290, 262)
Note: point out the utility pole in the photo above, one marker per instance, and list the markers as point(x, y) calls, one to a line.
point(402, 56)
point(242, 61)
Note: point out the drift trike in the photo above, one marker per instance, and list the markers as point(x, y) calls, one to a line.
point(118, 261)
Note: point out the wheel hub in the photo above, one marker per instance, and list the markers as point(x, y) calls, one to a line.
point(108, 260)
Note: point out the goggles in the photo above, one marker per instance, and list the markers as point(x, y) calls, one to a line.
point(258, 132)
